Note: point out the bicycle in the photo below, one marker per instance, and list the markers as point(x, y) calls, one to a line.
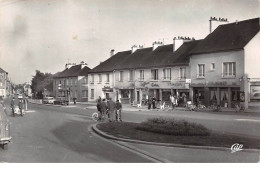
point(215, 108)
point(239, 107)
point(98, 117)
point(200, 107)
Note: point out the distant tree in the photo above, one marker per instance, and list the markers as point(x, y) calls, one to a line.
point(40, 82)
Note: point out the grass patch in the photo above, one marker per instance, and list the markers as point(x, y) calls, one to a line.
point(129, 130)
point(173, 127)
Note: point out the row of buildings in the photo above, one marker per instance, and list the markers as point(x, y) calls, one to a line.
point(6, 88)
point(222, 68)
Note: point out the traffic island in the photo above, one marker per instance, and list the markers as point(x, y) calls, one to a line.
point(170, 132)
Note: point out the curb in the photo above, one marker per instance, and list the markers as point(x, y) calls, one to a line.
point(101, 133)
point(46, 104)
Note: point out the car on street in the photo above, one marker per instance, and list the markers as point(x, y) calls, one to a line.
point(61, 101)
point(48, 100)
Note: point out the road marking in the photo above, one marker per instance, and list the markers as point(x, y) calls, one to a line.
point(249, 120)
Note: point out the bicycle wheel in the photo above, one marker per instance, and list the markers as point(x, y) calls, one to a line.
point(95, 116)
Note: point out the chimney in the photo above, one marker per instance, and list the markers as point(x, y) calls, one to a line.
point(135, 47)
point(178, 41)
point(156, 44)
point(112, 52)
point(68, 65)
point(83, 64)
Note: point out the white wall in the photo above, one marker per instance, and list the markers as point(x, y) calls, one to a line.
point(97, 86)
point(252, 57)
point(218, 59)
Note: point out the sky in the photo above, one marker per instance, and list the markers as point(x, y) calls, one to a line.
point(46, 34)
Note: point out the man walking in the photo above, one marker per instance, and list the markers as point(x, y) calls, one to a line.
point(111, 109)
point(118, 111)
point(20, 105)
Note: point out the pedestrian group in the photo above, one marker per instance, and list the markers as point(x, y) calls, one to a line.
point(109, 109)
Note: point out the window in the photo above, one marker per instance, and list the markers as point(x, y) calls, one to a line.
point(141, 74)
point(99, 78)
point(201, 70)
point(107, 75)
point(85, 80)
point(131, 75)
point(212, 66)
point(121, 76)
point(167, 74)
point(92, 79)
point(76, 82)
point(182, 73)
point(229, 69)
point(154, 74)
point(92, 94)
point(84, 93)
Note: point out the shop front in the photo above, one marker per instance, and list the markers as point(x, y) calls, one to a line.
point(126, 96)
point(225, 96)
point(109, 93)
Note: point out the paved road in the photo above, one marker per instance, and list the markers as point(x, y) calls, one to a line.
point(54, 134)
point(61, 134)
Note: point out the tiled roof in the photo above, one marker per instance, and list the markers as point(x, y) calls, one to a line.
point(73, 72)
point(110, 64)
point(231, 36)
point(147, 57)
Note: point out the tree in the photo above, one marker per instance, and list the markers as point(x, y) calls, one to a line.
point(40, 82)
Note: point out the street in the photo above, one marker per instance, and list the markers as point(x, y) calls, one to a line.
point(62, 134)
point(45, 135)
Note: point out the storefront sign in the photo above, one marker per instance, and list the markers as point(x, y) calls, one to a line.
point(221, 83)
point(107, 89)
point(179, 85)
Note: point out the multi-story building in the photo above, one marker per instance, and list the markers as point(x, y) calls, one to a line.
point(158, 71)
point(225, 64)
point(27, 89)
point(3, 83)
point(72, 82)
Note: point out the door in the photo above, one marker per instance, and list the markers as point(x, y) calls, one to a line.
point(138, 96)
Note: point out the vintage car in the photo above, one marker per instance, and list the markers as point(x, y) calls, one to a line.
point(48, 100)
point(61, 101)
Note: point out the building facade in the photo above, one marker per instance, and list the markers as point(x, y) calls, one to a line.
point(72, 82)
point(134, 75)
point(223, 65)
point(4, 87)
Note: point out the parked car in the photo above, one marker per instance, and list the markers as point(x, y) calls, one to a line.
point(61, 101)
point(48, 100)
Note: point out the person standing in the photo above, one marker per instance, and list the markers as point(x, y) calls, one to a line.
point(153, 101)
point(12, 106)
point(103, 107)
point(118, 111)
point(149, 102)
point(20, 105)
point(111, 109)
